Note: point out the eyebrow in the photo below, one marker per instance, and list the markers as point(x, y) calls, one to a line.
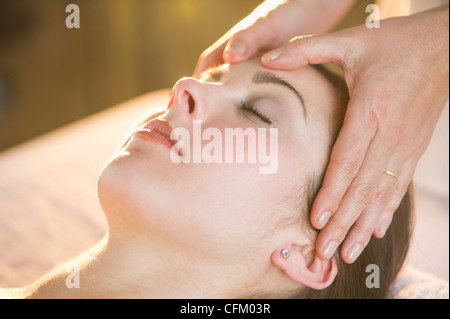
point(261, 77)
point(216, 73)
point(270, 78)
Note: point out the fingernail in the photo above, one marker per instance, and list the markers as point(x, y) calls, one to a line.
point(330, 249)
point(236, 49)
point(355, 251)
point(382, 229)
point(272, 55)
point(323, 220)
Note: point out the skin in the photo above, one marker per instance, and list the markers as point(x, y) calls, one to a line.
point(266, 29)
point(210, 230)
point(398, 78)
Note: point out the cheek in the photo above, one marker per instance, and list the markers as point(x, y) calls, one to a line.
point(196, 205)
point(232, 207)
point(253, 148)
point(137, 187)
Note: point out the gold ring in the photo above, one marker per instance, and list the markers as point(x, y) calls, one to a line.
point(390, 173)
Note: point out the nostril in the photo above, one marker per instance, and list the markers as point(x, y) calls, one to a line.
point(191, 104)
point(186, 100)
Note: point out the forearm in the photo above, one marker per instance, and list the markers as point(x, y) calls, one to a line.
point(443, 29)
point(322, 15)
point(437, 20)
point(434, 26)
point(270, 25)
point(307, 16)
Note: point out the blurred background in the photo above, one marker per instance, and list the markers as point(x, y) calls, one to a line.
point(51, 75)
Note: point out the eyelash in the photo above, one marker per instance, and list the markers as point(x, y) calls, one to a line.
point(248, 107)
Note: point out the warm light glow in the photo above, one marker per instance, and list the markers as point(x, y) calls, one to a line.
point(185, 9)
point(260, 11)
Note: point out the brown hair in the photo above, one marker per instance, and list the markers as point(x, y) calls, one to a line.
point(388, 253)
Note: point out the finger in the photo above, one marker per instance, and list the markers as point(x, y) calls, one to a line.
point(359, 235)
point(247, 43)
point(399, 191)
point(210, 58)
point(361, 232)
point(359, 195)
point(269, 26)
point(237, 46)
point(345, 162)
point(304, 50)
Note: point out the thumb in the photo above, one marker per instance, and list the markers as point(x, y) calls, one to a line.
point(247, 43)
point(304, 50)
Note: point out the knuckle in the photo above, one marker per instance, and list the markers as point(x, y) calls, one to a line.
point(365, 231)
point(401, 188)
point(299, 43)
point(381, 109)
point(373, 120)
point(388, 212)
point(391, 142)
point(243, 34)
point(348, 169)
point(338, 229)
point(383, 195)
point(363, 194)
point(401, 129)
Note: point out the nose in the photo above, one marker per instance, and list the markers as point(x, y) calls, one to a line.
point(189, 97)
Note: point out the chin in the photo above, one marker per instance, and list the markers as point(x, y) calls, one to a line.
point(136, 193)
point(118, 187)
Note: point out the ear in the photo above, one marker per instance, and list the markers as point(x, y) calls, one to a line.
point(305, 267)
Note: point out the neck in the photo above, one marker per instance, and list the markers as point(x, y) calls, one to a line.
point(118, 268)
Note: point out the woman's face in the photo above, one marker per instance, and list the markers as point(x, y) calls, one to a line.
point(224, 211)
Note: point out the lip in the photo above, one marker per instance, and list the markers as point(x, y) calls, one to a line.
point(157, 131)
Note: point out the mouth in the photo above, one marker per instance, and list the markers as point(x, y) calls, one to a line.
point(158, 131)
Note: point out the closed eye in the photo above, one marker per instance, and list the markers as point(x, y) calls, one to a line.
point(253, 110)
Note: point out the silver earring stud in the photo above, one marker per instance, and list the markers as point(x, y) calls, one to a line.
point(285, 253)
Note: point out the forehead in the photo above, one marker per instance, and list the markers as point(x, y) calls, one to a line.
point(247, 70)
point(319, 95)
point(306, 79)
point(313, 85)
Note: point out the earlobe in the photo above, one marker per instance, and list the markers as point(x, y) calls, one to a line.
point(302, 265)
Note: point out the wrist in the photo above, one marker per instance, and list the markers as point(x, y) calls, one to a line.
point(320, 16)
point(436, 23)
